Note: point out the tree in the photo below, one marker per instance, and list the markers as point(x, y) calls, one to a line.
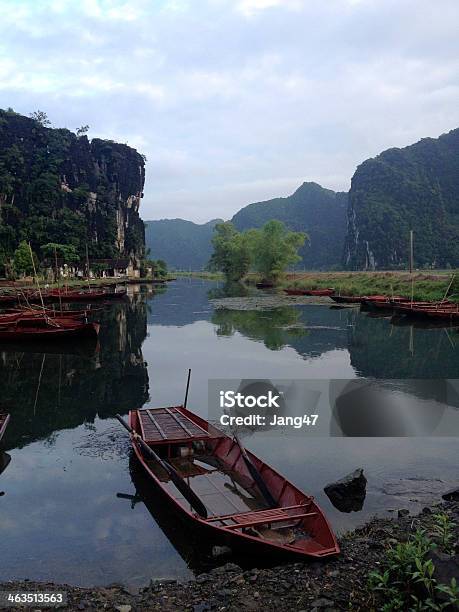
point(67, 252)
point(273, 248)
point(22, 259)
point(231, 254)
point(81, 131)
point(41, 117)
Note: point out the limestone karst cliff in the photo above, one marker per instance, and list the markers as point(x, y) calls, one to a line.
point(62, 188)
point(414, 188)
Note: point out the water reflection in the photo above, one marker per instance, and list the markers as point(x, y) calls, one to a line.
point(275, 328)
point(45, 391)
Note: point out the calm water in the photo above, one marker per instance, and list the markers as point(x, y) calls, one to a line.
point(60, 516)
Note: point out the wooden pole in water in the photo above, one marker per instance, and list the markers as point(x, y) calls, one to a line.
point(36, 280)
point(411, 251)
point(449, 287)
point(87, 267)
point(187, 388)
point(57, 279)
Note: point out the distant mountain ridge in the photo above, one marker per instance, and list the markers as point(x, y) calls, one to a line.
point(319, 212)
point(311, 208)
point(411, 188)
point(184, 245)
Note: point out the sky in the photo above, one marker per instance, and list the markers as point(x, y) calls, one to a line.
point(236, 101)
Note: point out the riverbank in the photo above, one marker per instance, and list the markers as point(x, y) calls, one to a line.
point(337, 584)
point(426, 285)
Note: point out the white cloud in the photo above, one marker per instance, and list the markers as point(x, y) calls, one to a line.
point(236, 101)
point(249, 8)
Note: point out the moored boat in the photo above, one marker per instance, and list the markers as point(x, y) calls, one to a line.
point(216, 469)
point(63, 295)
point(295, 291)
point(320, 292)
point(44, 328)
point(264, 285)
point(346, 299)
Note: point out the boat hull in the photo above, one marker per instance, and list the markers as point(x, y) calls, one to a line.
point(321, 543)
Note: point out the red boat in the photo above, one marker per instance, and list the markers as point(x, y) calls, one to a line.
point(320, 292)
point(46, 329)
point(12, 317)
point(216, 470)
point(81, 296)
point(440, 310)
point(346, 299)
point(4, 419)
point(295, 291)
point(8, 299)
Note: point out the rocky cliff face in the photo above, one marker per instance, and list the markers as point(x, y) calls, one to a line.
point(414, 188)
point(58, 187)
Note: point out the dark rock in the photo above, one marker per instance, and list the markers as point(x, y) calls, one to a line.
point(348, 493)
point(403, 512)
point(452, 495)
point(446, 566)
point(220, 551)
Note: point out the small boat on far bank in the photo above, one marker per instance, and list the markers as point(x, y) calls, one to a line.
point(346, 299)
point(208, 479)
point(295, 291)
point(264, 285)
point(4, 420)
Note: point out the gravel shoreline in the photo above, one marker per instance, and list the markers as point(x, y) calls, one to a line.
point(337, 584)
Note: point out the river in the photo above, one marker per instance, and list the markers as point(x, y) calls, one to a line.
point(60, 516)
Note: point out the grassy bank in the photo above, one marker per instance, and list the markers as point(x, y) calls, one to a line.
point(201, 274)
point(431, 285)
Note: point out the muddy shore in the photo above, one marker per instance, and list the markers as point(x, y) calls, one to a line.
point(337, 584)
point(270, 301)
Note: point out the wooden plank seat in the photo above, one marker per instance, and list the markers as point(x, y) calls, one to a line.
point(263, 517)
point(169, 425)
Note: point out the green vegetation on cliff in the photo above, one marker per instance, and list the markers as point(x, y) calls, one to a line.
point(60, 188)
point(414, 188)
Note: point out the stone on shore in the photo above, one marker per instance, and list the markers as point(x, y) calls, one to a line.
point(348, 493)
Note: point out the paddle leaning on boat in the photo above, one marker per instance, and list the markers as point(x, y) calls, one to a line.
point(226, 492)
point(4, 420)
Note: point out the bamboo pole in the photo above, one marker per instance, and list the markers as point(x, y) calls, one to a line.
point(57, 278)
point(449, 287)
point(36, 280)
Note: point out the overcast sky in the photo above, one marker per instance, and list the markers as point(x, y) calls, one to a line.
point(235, 101)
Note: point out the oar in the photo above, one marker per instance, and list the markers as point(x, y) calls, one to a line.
point(181, 485)
point(256, 476)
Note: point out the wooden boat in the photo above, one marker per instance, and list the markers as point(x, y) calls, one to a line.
point(428, 309)
point(8, 299)
point(214, 467)
point(346, 299)
point(264, 285)
point(295, 291)
point(81, 296)
point(38, 314)
point(38, 329)
point(4, 420)
point(320, 292)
